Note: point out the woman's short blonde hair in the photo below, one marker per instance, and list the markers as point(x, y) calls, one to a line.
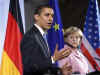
point(72, 30)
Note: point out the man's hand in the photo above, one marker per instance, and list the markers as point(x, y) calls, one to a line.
point(58, 55)
point(66, 69)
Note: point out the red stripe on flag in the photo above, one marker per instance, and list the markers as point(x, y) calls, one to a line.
point(12, 42)
point(98, 51)
point(89, 57)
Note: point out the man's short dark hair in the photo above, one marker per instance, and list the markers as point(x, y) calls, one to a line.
point(38, 8)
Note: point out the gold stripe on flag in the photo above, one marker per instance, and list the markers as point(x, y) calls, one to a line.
point(9, 67)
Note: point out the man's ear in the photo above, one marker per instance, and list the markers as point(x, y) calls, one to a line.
point(36, 16)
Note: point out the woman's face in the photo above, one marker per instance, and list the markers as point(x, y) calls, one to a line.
point(73, 39)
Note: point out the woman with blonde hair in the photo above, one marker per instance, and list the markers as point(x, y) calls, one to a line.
point(75, 63)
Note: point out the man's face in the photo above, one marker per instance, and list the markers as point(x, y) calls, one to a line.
point(45, 19)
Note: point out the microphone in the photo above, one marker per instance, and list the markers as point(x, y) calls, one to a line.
point(75, 72)
point(97, 58)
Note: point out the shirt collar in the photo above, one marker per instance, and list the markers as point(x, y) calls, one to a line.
point(40, 29)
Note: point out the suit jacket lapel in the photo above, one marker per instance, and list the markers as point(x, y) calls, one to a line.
point(41, 42)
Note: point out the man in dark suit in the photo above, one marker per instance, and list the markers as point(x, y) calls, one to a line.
point(35, 52)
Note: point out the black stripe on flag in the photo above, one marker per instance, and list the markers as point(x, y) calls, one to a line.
point(14, 9)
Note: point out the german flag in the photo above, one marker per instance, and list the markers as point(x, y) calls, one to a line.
point(11, 57)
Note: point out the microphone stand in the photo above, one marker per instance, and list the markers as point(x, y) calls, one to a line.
point(95, 64)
